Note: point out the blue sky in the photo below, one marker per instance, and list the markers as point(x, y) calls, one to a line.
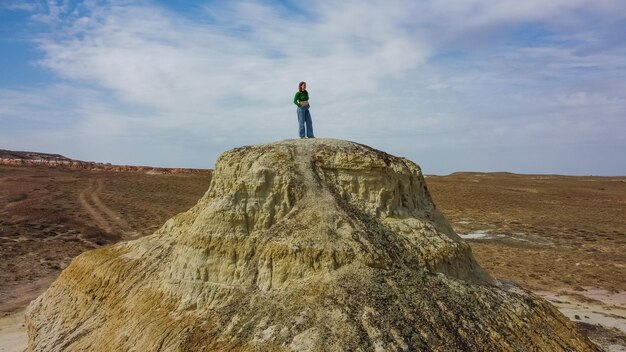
point(475, 85)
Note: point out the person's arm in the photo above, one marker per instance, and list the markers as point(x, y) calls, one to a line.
point(296, 99)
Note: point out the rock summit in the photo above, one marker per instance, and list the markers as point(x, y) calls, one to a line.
point(299, 245)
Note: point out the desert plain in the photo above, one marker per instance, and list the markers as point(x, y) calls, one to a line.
point(564, 237)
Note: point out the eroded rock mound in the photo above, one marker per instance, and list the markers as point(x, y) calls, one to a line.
point(302, 245)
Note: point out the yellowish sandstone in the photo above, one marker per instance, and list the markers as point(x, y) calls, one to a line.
point(300, 245)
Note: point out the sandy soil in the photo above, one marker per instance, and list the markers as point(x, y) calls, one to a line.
point(563, 237)
point(599, 313)
point(13, 337)
point(49, 216)
point(544, 232)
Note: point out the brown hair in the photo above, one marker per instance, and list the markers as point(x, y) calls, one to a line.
point(300, 86)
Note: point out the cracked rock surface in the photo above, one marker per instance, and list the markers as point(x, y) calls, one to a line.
point(299, 245)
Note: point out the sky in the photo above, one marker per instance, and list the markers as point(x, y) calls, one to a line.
point(528, 86)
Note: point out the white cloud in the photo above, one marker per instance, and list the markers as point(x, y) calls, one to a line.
point(10, 5)
point(407, 75)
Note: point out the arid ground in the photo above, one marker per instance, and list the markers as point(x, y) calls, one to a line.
point(562, 237)
point(49, 216)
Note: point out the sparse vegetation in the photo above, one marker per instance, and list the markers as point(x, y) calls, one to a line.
point(548, 231)
point(43, 224)
point(12, 198)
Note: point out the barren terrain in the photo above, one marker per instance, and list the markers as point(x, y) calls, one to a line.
point(48, 216)
point(543, 232)
point(563, 237)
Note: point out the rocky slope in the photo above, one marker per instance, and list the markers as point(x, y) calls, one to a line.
point(17, 158)
point(300, 245)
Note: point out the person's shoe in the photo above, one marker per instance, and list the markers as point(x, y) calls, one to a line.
point(311, 137)
point(301, 137)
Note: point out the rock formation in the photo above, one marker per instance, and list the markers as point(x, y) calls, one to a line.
point(30, 159)
point(300, 245)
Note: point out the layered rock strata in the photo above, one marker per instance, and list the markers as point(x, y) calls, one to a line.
point(34, 159)
point(300, 245)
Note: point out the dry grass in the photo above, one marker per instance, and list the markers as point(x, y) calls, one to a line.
point(43, 224)
point(555, 231)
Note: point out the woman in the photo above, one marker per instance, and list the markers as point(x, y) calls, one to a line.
point(304, 116)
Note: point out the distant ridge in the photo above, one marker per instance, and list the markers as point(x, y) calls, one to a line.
point(10, 154)
point(23, 158)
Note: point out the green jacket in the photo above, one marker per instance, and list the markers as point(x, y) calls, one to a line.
point(300, 96)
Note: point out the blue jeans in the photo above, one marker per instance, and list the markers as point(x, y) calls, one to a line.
point(304, 117)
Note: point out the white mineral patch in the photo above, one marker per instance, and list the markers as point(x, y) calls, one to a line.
point(475, 235)
point(519, 239)
point(609, 310)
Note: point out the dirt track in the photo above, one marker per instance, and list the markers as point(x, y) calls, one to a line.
point(104, 217)
point(49, 216)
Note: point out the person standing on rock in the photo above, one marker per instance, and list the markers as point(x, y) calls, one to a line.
point(304, 116)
